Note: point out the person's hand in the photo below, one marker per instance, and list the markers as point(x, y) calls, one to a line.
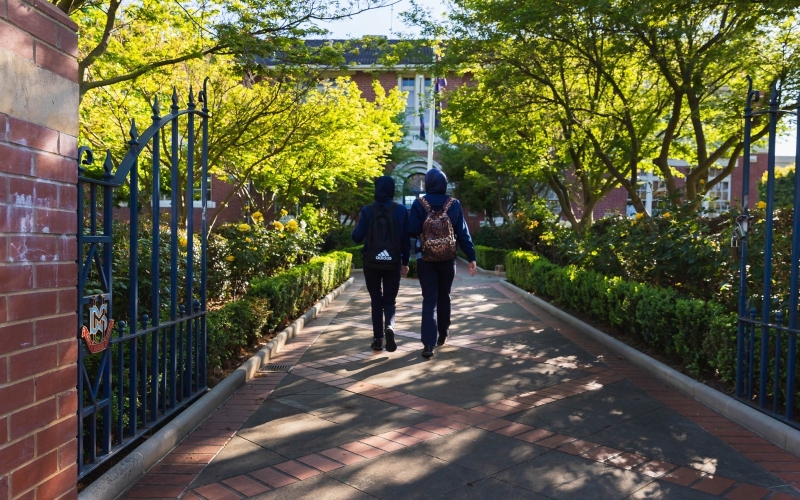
point(403, 270)
point(473, 268)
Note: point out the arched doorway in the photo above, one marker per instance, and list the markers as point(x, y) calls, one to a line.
point(410, 179)
point(413, 188)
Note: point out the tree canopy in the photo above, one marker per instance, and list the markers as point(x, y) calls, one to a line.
point(596, 92)
point(273, 139)
point(121, 41)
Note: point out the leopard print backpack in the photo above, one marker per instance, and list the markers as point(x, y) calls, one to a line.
point(438, 238)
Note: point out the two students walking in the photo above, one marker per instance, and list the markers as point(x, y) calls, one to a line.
point(385, 228)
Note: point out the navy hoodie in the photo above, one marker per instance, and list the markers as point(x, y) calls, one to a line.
point(436, 194)
point(384, 194)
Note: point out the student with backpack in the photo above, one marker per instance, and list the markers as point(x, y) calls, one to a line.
point(438, 222)
point(383, 228)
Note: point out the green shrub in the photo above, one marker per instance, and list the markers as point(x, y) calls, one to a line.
point(357, 255)
point(698, 332)
point(720, 345)
point(236, 324)
point(272, 302)
point(695, 323)
point(505, 236)
point(488, 257)
point(412, 269)
point(339, 237)
point(293, 291)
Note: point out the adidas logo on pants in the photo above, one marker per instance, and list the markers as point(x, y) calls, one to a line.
point(384, 255)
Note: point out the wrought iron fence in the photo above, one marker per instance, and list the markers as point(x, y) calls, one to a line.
point(767, 331)
point(143, 362)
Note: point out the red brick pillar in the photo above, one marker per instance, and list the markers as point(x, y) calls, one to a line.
point(38, 272)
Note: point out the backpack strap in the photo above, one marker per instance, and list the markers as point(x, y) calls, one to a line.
point(425, 204)
point(447, 205)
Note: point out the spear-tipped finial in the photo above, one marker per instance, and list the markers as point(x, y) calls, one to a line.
point(107, 165)
point(134, 133)
point(774, 95)
point(156, 108)
point(174, 97)
point(191, 97)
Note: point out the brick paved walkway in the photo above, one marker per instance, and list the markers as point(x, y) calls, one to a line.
point(517, 405)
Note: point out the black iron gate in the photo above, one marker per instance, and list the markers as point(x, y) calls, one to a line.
point(768, 315)
point(142, 333)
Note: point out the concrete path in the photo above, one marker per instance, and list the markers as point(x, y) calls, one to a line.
point(517, 405)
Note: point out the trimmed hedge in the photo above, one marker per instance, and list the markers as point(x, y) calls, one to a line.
point(700, 333)
point(357, 255)
point(488, 257)
point(272, 303)
point(236, 324)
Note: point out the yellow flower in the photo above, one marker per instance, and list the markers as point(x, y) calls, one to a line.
point(248, 240)
point(258, 218)
point(284, 213)
point(666, 215)
point(254, 248)
point(639, 216)
point(291, 226)
point(761, 205)
point(277, 225)
point(230, 258)
point(243, 227)
point(182, 241)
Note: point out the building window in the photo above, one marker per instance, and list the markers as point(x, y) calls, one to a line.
point(652, 190)
point(718, 199)
point(552, 201)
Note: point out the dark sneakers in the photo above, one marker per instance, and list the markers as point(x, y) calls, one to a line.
point(442, 339)
point(427, 352)
point(391, 346)
point(377, 344)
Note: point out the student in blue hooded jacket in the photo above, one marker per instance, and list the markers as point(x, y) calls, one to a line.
point(383, 228)
point(436, 278)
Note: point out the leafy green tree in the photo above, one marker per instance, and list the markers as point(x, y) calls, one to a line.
point(121, 41)
point(483, 181)
point(346, 139)
point(612, 88)
point(538, 146)
point(273, 139)
point(784, 187)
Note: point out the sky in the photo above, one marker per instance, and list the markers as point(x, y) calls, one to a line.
point(387, 22)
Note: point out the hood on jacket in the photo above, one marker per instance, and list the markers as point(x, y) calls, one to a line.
point(435, 182)
point(384, 188)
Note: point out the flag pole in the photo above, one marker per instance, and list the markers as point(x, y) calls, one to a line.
point(431, 125)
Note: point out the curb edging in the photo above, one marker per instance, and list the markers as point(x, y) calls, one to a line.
point(117, 480)
point(767, 427)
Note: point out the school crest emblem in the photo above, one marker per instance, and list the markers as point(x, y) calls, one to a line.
point(98, 333)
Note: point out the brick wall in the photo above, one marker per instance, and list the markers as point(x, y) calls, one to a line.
point(758, 165)
point(388, 81)
point(38, 272)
